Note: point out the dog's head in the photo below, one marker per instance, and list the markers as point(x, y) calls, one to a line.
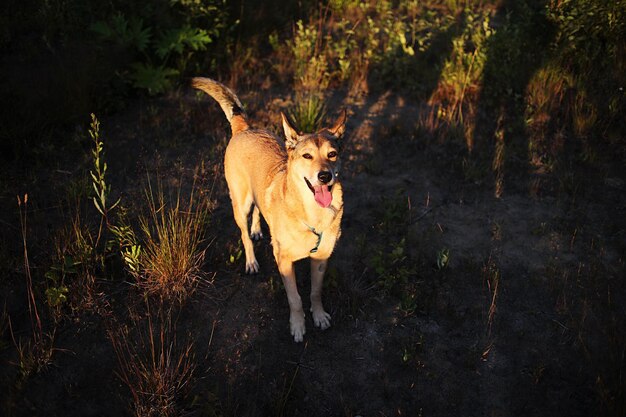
point(314, 161)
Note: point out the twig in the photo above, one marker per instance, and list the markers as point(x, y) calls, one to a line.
point(428, 210)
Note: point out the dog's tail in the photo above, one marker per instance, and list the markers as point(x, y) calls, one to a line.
point(228, 101)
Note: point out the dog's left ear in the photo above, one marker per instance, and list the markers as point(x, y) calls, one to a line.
point(291, 134)
point(340, 125)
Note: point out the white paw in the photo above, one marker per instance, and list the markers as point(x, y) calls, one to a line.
point(321, 319)
point(297, 327)
point(256, 235)
point(252, 267)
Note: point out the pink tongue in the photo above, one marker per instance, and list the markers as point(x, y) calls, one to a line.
point(323, 195)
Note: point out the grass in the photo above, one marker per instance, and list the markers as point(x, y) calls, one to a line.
point(308, 112)
point(154, 364)
point(171, 255)
point(491, 275)
point(469, 60)
point(34, 354)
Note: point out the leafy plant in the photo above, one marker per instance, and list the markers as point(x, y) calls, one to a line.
point(57, 295)
point(408, 302)
point(159, 54)
point(443, 258)
point(127, 242)
point(588, 49)
point(235, 255)
point(127, 33)
point(98, 176)
point(392, 267)
point(308, 112)
point(457, 90)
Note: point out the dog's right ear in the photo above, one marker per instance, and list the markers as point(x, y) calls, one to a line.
point(291, 134)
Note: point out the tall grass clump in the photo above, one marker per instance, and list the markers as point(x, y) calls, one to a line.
point(357, 44)
point(548, 98)
point(34, 354)
point(454, 100)
point(71, 276)
point(168, 263)
point(154, 364)
point(589, 47)
point(311, 77)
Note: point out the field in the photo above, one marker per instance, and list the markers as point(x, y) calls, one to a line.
point(480, 271)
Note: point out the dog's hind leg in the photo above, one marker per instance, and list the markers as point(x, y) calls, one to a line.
point(240, 212)
point(321, 318)
point(255, 228)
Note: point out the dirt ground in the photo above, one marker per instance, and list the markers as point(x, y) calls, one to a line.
point(445, 300)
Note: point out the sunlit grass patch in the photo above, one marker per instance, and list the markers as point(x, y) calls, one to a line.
point(167, 263)
point(308, 111)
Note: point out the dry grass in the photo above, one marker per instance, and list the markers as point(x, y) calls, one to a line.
point(154, 365)
point(491, 276)
point(34, 354)
point(171, 258)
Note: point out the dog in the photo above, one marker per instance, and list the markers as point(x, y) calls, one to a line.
point(295, 185)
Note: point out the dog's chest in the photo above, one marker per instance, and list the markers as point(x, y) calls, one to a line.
point(299, 240)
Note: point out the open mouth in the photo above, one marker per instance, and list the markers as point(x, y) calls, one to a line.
point(321, 193)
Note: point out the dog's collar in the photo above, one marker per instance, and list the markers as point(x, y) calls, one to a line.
point(316, 233)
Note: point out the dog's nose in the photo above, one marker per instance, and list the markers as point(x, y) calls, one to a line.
point(325, 177)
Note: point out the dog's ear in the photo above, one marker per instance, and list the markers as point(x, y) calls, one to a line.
point(340, 125)
point(291, 134)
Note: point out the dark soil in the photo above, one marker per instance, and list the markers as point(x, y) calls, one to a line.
point(525, 318)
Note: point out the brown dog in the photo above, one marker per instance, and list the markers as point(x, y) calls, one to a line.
point(295, 186)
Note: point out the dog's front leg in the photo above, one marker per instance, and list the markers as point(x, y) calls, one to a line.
point(296, 313)
point(320, 317)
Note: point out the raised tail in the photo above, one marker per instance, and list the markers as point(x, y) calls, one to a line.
point(228, 101)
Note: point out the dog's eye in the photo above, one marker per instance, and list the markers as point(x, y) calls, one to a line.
point(332, 154)
point(307, 156)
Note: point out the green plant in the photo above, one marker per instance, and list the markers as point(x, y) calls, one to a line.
point(392, 267)
point(459, 85)
point(162, 53)
point(393, 212)
point(308, 112)
point(98, 177)
point(588, 48)
point(57, 295)
point(408, 302)
point(235, 255)
point(127, 242)
point(443, 258)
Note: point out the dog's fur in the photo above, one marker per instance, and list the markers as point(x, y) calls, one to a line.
point(295, 186)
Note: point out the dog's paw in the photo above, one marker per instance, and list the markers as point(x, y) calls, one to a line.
point(297, 327)
point(321, 319)
point(256, 235)
point(252, 267)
